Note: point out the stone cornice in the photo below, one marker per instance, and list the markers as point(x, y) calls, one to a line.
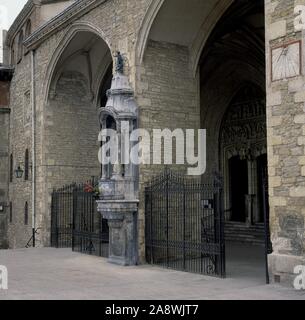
point(25, 12)
point(77, 9)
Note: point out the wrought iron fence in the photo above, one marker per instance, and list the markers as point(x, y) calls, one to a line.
point(75, 222)
point(62, 217)
point(185, 224)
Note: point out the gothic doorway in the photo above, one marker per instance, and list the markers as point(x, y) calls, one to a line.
point(243, 156)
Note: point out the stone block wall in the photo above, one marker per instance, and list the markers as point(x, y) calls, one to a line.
point(168, 98)
point(71, 131)
point(286, 147)
point(20, 139)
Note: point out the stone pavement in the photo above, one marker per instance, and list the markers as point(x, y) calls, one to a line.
point(61, 274)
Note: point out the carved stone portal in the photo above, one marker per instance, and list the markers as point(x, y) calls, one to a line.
point(243, 155)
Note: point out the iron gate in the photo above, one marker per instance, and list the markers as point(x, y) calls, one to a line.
point(75, 222)
point(184, 224)
point(62, 217)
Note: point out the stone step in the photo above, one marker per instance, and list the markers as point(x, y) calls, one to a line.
point(244, 231)
point(244, 236)
point(248, 242)
point(240, 232)
point(247, 230)
point(243, 225)
point(252, 234)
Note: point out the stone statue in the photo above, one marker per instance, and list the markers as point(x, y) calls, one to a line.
point(119, 63)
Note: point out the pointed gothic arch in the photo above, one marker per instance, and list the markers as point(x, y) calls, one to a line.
point(52, 73)
point(78, 75)
point(168, 9)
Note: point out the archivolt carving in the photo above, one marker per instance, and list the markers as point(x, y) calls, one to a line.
point(244, 128)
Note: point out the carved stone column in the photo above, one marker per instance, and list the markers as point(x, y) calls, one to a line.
point(119, 198)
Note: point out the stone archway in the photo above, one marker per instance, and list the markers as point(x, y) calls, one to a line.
point(233, 110)
point(233, 90)
point(77, 89)
point(79, 75)
point(226, 52)
point(165, 20)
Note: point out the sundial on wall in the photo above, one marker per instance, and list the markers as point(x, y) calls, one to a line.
point(286, 61)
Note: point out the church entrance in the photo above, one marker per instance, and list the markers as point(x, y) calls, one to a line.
point(244, 167)
point(230, 75)
point(243, 156)
point(233, 111)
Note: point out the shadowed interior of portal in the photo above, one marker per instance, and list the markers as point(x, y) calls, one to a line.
point(233, 110)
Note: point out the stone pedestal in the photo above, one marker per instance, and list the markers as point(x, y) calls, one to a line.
point(122, 221)
point(282, 266)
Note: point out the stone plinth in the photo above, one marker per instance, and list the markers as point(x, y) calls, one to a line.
point(122, 221)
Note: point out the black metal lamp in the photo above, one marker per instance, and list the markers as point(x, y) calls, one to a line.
point(19, 172)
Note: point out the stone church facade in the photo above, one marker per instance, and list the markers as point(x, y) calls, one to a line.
point(191, 64)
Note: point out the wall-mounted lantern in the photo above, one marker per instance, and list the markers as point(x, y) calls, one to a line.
point(3, 206)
